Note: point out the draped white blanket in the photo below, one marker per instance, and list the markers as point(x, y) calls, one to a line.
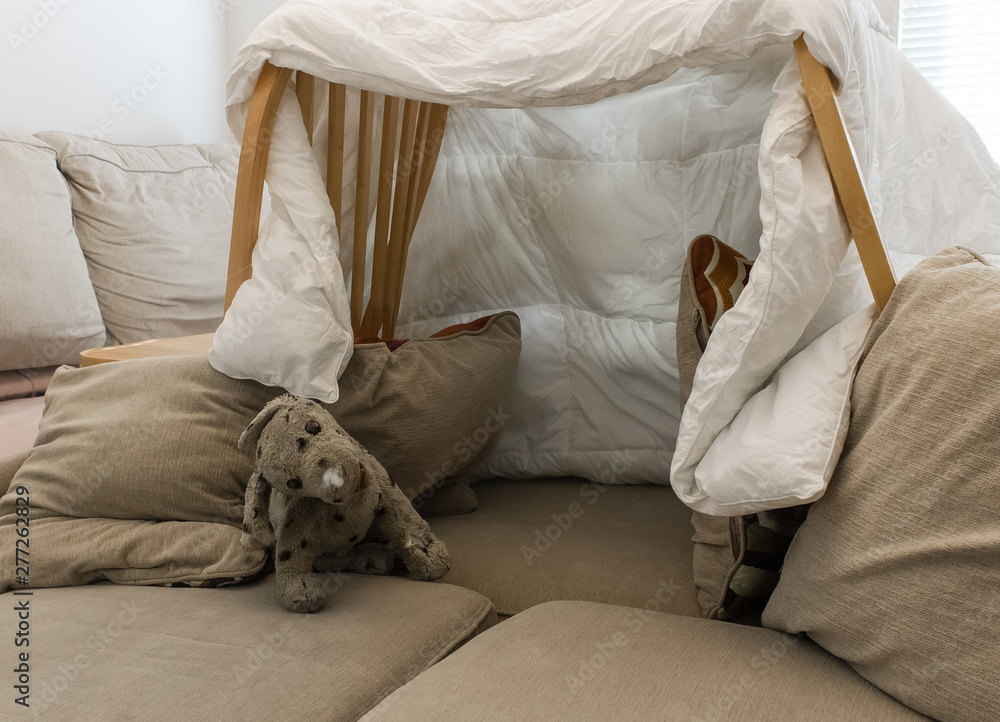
point(578, 218)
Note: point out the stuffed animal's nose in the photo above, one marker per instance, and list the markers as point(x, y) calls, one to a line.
point(333, 481)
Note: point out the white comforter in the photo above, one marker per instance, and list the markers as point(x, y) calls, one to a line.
point(578, 218)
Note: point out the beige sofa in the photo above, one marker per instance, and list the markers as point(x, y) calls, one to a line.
point(566, 599)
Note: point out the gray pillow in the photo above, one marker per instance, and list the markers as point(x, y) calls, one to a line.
point(896, 568)
point(48, 312)
point(154, 223)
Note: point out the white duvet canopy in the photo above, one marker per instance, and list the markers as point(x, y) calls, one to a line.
point(688, 119)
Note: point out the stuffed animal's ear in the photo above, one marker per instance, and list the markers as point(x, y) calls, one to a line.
point(256, 511)
point(252, 433)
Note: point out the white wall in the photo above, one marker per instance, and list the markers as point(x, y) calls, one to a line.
point(242, 16)
point(132, 72)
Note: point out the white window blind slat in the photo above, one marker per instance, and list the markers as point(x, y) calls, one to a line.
point(956, 45)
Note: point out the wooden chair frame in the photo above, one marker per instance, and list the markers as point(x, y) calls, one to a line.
point(400, 198)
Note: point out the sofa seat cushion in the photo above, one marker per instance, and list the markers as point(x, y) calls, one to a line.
point(586, 661)
point(19, 419)
point(114, 652)
point(543, 540)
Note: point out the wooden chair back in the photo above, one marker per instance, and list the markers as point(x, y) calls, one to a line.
point(821, 93)
point(411, 133)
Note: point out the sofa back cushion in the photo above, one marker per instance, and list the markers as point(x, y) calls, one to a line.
point(48, 312)
point(895, 568)
point(154, 223)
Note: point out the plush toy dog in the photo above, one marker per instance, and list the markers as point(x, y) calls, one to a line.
point(326, 504)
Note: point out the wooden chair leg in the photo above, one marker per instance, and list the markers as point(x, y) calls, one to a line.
point(843, 163)
point(250, 176)
point(305, 91)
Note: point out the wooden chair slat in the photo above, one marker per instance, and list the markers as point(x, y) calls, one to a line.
point(335, 150)
point(373, 315)
point(430, 132)
point(365, 140)
point(404, 171)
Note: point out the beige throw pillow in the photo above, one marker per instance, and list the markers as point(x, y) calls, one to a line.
point(136, 477)
point(432, 409)
point(896, 568)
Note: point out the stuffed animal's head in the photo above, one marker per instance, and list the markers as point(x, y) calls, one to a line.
point(303, 452)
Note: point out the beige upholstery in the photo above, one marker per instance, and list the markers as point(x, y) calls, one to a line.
point(108, 652)
point(48, 311)
point(19, 419)
point(895, 568)
point(9, 466)
point(122, 446)
point(584, 661)
point(541, 540)
point(154, 224)
point(433, 408)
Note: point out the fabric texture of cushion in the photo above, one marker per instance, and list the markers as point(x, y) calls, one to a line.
point(9, 466)
point(541, 540)
point(136, 477)
point(895, 568)
point(48, 311)
point(736, 559)
point(154, 223)
point(105, 652)
point(432, 409)
point(19, 420)
point(586, 661)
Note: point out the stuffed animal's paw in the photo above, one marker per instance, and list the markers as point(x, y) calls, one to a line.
point(302, 593)
point(257, 538)
point(426, 556)
point(368, 558)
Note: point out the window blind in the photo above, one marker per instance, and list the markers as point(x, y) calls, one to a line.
point(956, 45)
